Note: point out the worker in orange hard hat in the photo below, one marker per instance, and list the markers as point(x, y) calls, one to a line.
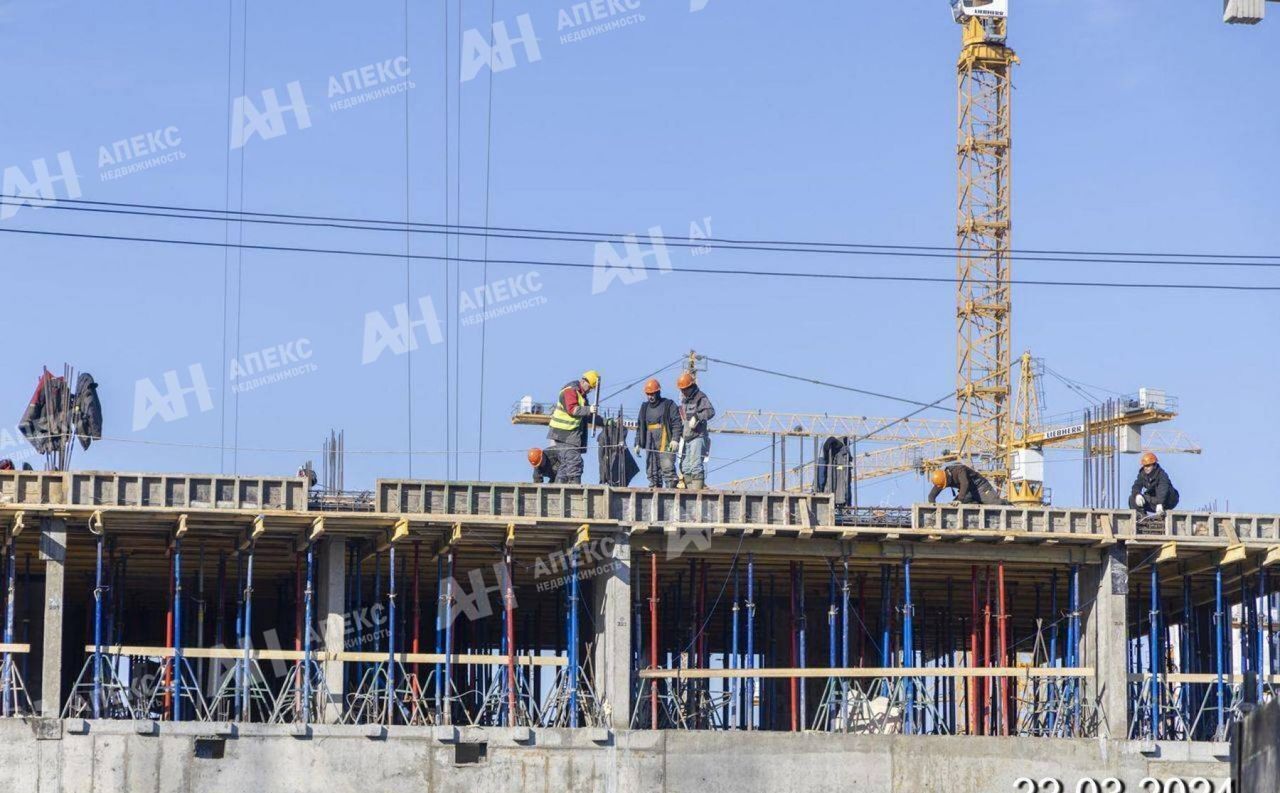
point(573, 413)
point(544, 462)
point(696, 412)
point(969, 486)
point(1152, 491)
point(658, 428)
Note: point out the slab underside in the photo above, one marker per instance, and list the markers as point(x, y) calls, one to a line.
point(116, 757)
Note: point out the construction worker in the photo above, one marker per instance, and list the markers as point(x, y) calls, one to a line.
point(696, 412)
point(969, 486)
point(544, 462)
point(1152, 490)
point(569, 422)
point(658, 428)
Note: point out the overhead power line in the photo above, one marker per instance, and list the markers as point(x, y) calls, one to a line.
point(177, 212)
point(815, 381)
point(648, 269)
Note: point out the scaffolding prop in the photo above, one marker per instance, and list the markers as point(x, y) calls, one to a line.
point(243, 693)
point(573, 701)
point(508, 698)
point(388, 693)
point(98, 691)
point(305, 690)
point(177, 682)
point(14, 699)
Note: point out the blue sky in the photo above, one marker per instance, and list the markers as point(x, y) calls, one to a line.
point(1142, 126)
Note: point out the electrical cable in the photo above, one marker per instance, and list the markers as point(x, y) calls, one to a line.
point(244, 77)
point(408, 250)
point(641, 379)
point(815, 381)
point(484, 278)
point(448, 327)
point(457, 250)
point(551, 235)
point(642, 268)
point(226, 233)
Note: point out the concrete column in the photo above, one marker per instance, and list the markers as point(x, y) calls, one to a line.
point(53, 551)
point(331, 595)
point(611, 609)
point(1105, 635)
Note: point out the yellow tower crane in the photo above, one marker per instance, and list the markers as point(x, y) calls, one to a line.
point(984, 434)
point(983, 232)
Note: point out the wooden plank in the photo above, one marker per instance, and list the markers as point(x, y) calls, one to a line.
point(15, 648)
point(870, 672)
point(205, 652)
point(231, 653)
point(462, 659)
point(1198, 677)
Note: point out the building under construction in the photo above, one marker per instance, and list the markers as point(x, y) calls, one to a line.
point(187, 632)
point(166, 632)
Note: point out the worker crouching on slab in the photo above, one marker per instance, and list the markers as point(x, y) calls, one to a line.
point(544, 462)
point(696, 412)
point(569, 423)
point(969, 486)
point(1152, 491)
point(657, 432)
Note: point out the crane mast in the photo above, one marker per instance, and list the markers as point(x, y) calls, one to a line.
point(983, 300)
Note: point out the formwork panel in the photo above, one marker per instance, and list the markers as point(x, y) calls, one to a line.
point(1049, 521)
point(1223, 526)
point(495, 499)
point(98, 488)
point(593, 502)
point(32, 487)
point(721, 507)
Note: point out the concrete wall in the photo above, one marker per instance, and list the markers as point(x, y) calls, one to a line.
point(112, 757)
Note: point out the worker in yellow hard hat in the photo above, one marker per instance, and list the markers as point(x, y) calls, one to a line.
point(1153, 491)
point(696, 412)
point(968, 486)
point(573, 413)
point(658, 429)
point(544, 462)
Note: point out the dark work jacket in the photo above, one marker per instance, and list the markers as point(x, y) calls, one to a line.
point(971, 487)
point(547, 469)
point(666, 416)
point(1155, 488)
point(617, 466)
point(87, 410)
point(834, 470)
point(46, 415)
point(695, 404)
